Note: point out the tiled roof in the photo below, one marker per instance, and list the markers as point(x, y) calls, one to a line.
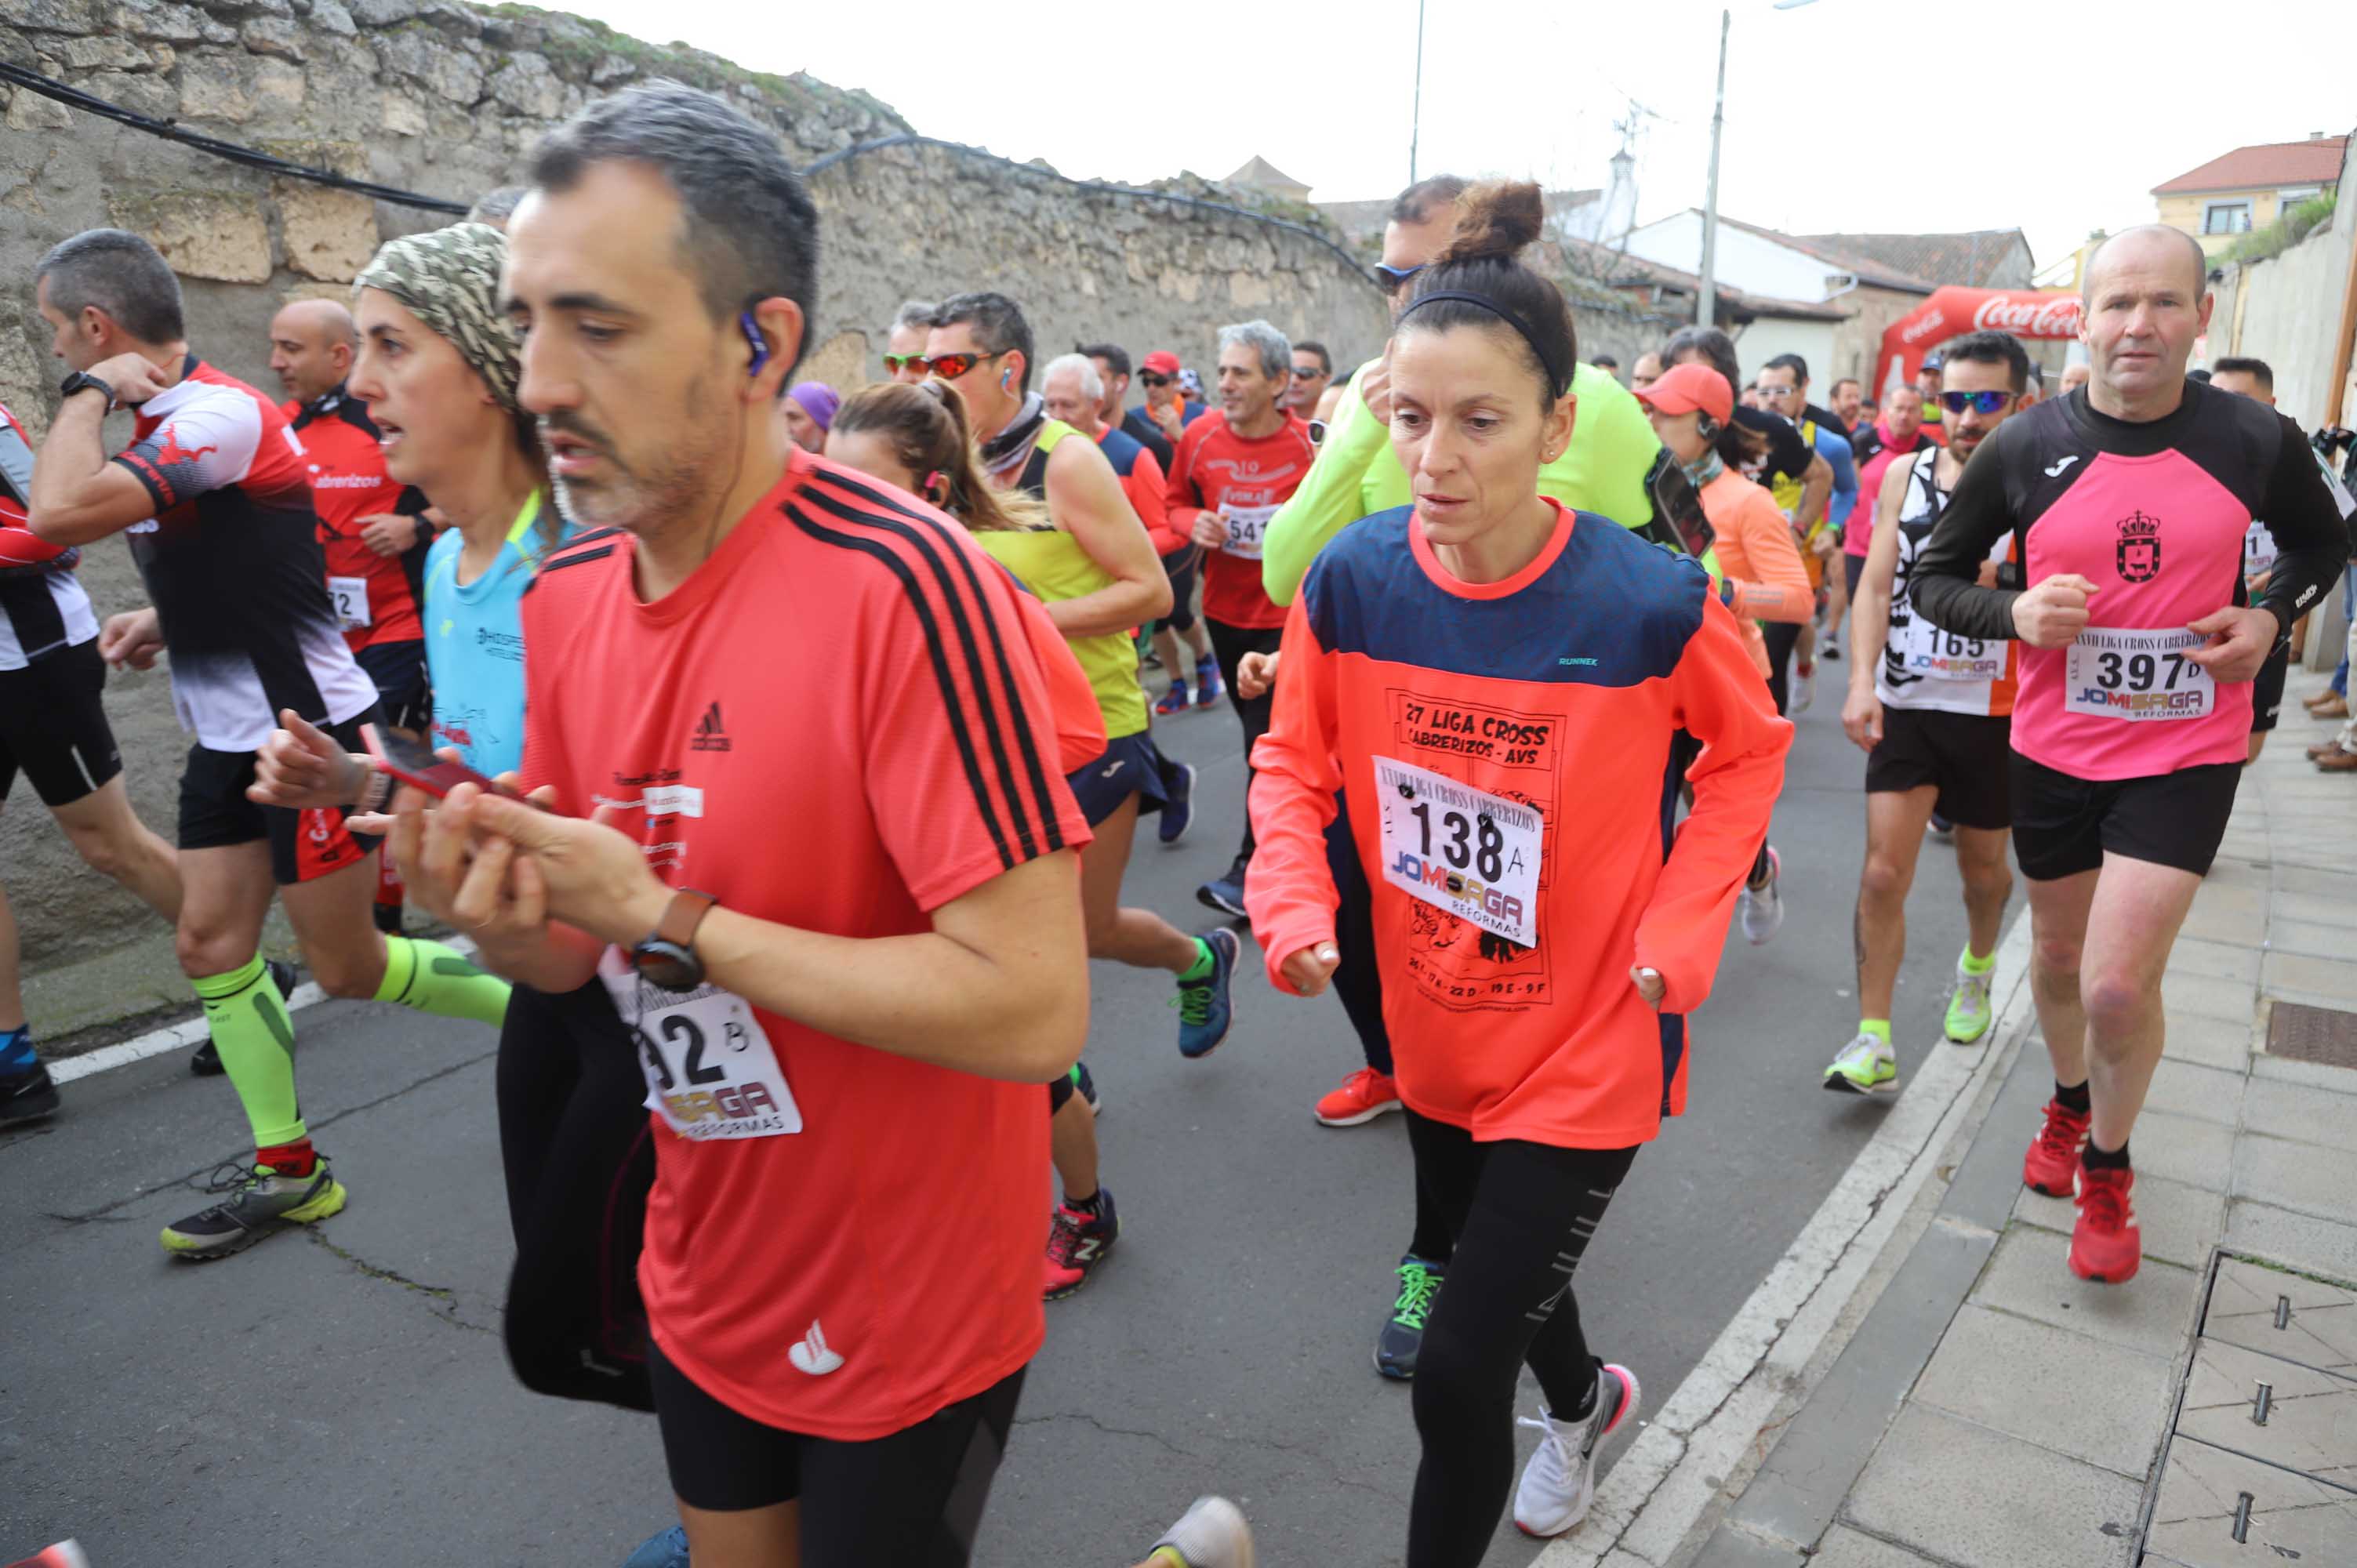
point(1865, 269)
point(2267, 166)
point(1618, 268)
point(1259, 172)
point(1967, 258)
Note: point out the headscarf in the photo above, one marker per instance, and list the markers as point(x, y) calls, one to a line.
point(450, 279)
point(818, 401)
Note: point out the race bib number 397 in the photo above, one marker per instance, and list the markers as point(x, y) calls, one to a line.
point(710, 1069)
point(2139, 675)
point(1463, 850)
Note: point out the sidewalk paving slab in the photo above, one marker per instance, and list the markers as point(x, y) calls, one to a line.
point(2298, 1176)
point(2029, 1275)
point(1846, 1548)
point(2053, 1509)
point(2178, 1149)
point(2191, 1088)
point(2093, 1400)
point(2208, 1042)
point(2181, 1224)
point(2292, 1519)
point(2284, 1110)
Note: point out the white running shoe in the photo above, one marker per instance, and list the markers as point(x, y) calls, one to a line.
point(1559, 1482)
point(1212, 1533)
point(1802, 691)
point(1763, 907)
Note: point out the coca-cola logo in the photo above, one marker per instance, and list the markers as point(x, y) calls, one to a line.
point(2049, 316)
point(1919, 330)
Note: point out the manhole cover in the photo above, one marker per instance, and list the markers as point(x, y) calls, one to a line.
point(2313, 1035)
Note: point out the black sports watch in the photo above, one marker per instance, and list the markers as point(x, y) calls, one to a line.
point(666, 956)
point(80, 379)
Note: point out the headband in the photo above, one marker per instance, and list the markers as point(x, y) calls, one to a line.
point(1559, 379)
point(450, 279)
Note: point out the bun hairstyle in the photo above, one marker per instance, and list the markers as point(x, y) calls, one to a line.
point(1476, 281)
point(926, 426)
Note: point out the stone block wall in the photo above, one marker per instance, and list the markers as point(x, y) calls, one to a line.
point(445, 100)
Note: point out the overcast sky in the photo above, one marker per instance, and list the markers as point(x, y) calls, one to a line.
point(1882, 115)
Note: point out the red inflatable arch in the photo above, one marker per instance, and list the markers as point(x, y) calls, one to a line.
point(1952, 311)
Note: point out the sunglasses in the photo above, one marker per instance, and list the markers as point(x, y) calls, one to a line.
point(1149, 379)
point(1979, 402)
point(895, 363)
point(1311, 374)
point(1779, 394)
point(1395, 276)
point(950, 367)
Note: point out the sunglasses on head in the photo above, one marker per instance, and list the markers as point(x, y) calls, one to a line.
point(1152, 378)
point(1395, 276)
point(895, 363)
point(1978, 401)
point(950, 367)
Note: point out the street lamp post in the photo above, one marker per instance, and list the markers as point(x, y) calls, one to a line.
point(1416, 111)
point(1707, 304)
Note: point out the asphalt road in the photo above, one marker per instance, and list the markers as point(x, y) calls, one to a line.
point(339, 1396)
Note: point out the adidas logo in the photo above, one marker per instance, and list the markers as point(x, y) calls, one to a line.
point(711, 734)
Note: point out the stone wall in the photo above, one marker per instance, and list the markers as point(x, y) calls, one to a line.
point(445, 100)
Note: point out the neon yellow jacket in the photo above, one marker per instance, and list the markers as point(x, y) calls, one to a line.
point(1357, 475)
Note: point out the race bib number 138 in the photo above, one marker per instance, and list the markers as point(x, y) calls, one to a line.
point(1460, 849)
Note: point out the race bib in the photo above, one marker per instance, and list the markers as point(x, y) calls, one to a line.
point(2113, 673)
point(710, 1071)
point(1926, 650)
point(1463, 850)
point(350, 596)
point(1247, 526)
point(2258, 550)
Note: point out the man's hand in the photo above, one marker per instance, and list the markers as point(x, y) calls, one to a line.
point(301, 767)
point(1309, 969)
point(134, 638)
point(1824, 543)
point(1651, 986)
point(2054, 613)
point(594, 874)
point(1167, 416)
point(2240, 641)
point(1212, 528)
point(1255, 674)
point(392, 532)
point(1988, 577)
point(476, 881)
point(1862, 716)
point(134, 377)
point(1375, 388)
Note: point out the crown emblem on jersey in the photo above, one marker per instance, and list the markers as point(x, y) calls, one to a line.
point(2138, 555)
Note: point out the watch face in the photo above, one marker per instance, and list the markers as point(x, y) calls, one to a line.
point(667, 964)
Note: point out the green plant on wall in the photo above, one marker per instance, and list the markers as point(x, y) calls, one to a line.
point(2290, 227)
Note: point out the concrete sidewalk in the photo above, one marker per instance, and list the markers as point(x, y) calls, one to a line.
point(1991, 1411)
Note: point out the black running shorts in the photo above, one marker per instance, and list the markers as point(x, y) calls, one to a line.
point(1130, 766)
point(53, 726)
point(304, 846)
point(2062, 825)
point(1180, 567)
point(914, 1498)
point(398, 668)
point(1968, 757)
point(2267, 689)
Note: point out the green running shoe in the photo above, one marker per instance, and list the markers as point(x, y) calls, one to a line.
point(1969, 1015)
point(265, 1202)
point(1866, 1066)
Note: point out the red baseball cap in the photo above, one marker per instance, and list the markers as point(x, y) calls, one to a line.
point(1162, 362)
point(1691, 386)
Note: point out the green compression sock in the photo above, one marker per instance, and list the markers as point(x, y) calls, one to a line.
point(1202, 966)
point(1879, 1027)
point(256, 1042)
point(434, 979)
point(1973, 963)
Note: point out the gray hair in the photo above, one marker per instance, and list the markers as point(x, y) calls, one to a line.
point(748, 229)
point(122, 275)
point(914, 313)
point(1274, 348)
point(1092, 383)
point(496, 207)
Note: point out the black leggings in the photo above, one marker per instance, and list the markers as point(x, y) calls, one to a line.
point(1229, 646)
point(580, 1159)
point(1521, 1214)
point(1782, 636)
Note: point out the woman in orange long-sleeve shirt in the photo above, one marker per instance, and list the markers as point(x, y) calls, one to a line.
point(1500, 680)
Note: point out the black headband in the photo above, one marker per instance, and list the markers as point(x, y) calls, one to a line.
point(1559, 379)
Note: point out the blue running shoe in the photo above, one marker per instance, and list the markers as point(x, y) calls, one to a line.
point(1225, 894)
point(1179, 802)
point(1204, 1007)
point(1208, 689)
point(1173, 701)
point(666, 1549)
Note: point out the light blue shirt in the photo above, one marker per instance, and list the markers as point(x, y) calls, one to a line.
point(474, 644)
point(1835, 451)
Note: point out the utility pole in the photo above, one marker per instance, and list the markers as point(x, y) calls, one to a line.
point(1416, 112)
point(1706, 306)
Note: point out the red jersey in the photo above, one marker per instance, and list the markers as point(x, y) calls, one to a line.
point(1506, 748)
point(835, 723)
point(1214, 469)
point(376, 595)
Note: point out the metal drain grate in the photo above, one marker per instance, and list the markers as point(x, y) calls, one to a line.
point(2313, 1035)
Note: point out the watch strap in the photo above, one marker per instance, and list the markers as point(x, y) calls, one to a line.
point(80, 379)
point(682, 915)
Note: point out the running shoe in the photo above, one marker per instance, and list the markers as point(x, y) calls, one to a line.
point(1866, 1066)
point(1804, 690)
point(2106, 1244)
point(1207, 688)
point(1358, 1099)
point(2054, 1157)
point(1828, 649)
point(1225, 894)
point(1969, 1015)
point(1177, 802)
point(1077, 1243)
point(1942, 829)
point(205, 1061)
point(265, 1202)
point(64, 1555)
point(1212, 1533)
point(1559, 1482)
point(27, 1096)
point(1087, 1084)
point(1204, 1007)
point(666, 1549)
point(1400, 1337)
point(1173, 701)
point(1763, 907)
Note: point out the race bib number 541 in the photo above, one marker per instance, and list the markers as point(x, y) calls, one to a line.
point(2139, 675)
point(710, 1069)
point(1460, 849)
point(1247, 527)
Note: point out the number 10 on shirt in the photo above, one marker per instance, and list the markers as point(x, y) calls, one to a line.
point(1461, 850)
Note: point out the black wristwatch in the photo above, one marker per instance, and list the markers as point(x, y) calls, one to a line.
point(82, 380)
point(666, 956)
